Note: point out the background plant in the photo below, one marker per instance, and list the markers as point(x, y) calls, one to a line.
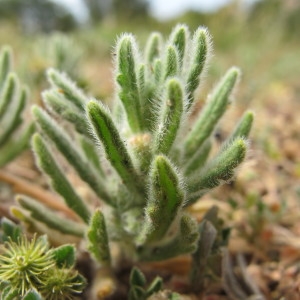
point(14, 134)
point(30, 268)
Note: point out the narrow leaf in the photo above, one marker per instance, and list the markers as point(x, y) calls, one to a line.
point(115, 149)
point(98, 239)
point(14, 147)
point(179, 38)
point(52, 219)
point(67, 88)
point(199, 59)
point(218, 170)
point(155, 286)
point(55, 102)
point(170, 118)
point(128, 82)
point(153, 47)
point(5, 64)
point(14, 120)
point(211, 113)
point(171, 62)
point(8, 93)
point(195, 162)
point(60, 183)
point(243, 128)
point(185, 242)
point(165, 199)
point(69, 150)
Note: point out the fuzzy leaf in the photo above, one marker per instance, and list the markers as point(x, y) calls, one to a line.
point(128, 82)
point(98, 239)
point(57, 103)
point(197, 161)
point(60, 183)
point(185, 242)
point(14, 119)
point(171, 62)
point(14, 147)
point(115, 149)
point(166, 196)
point(211, 113)
point(62, 84)
point(69, 150)
point(179, 38)
point(200, 54)
point(52, 219)
point(158, 68)
point(8, 93)
point(5, 64)
point(153, 47)
point(243, 128)
point(170, 118)
point(218, 170)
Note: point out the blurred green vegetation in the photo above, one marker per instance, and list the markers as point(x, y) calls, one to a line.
point(262, 40)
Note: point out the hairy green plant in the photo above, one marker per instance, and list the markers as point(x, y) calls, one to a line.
point(14, 136)
point(146, 159)
point(31, 270)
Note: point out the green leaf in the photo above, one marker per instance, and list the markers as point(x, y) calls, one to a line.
point(243, 128)
point(14, 120)
point(183, 243)
point(49, 217)
point(5, 64)
point(60, 183)
point(11, 231)
point(179, 38)
point(197, 161)
point(116, 151)
point(155, 286)
point(128, 82)
point(32, 295)
point(166, 196)
point(211, 113)
point(69, 150)
point(171, 64)
point(64, 256)
point(199, 58)
point(98, 243)
point(136, 293)
point(9, 91)
point(137, 278)
point(56, 102)
point(14, 147)
point(153, 47)
point(63, 85)
point(218, 170)
point(170, 118)
point(9, 293)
